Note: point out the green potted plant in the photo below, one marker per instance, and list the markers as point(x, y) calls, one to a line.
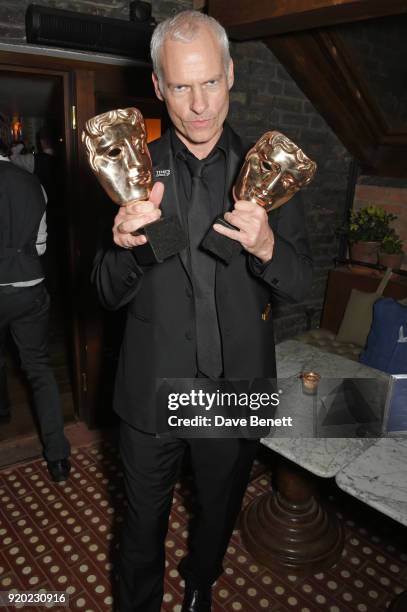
point(367, 228)
point(391, 251)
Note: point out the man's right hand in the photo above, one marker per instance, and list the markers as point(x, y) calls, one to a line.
point(134, 215)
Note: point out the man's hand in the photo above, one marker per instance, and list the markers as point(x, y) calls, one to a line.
point(135, 215)
point(255, 235)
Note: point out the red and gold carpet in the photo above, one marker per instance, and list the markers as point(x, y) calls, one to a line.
point(63, 538)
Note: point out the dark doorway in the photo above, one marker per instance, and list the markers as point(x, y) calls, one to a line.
point(84, 338)
point(33, 104)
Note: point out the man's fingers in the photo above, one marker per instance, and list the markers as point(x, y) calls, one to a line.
point(135, 241)
point(225, 231)
point(241, 219)
point(127, 227)
point(129, 242)
point(238, 221)
point(245, 205)
point(154, 201)
point(157, 193)
point(139, 207)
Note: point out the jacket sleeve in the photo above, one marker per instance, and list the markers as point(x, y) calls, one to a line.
point(116, 275)
point(289, 272)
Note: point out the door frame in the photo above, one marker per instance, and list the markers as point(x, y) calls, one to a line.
point(83, 81)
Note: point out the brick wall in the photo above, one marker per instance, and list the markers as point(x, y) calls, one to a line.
point(390, 194)
point(264, 97)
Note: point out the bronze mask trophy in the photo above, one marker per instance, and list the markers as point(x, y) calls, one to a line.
point(273, 171)
point(116, 145)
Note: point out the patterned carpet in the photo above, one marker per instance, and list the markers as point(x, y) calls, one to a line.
point(62, 538)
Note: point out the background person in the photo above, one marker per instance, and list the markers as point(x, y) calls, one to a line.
point(24, 306)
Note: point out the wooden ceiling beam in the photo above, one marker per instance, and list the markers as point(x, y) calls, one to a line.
point(249, 19)
point(320, 65)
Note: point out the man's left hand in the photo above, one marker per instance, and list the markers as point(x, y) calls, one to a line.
point(255, 235)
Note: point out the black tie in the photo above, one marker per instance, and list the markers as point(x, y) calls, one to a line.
point(203, 268)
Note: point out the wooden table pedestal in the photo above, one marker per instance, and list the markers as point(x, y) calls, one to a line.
point(288, 528)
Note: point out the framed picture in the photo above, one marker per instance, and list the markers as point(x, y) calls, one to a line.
point(395, 411)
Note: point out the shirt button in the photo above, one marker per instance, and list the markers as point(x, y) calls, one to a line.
point(188, 335)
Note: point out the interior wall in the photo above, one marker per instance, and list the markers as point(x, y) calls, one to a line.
point(264, 97)
point(388, 193)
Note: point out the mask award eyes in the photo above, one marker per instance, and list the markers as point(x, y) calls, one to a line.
point(117, 152)
point(273, 171)
point(114, 153)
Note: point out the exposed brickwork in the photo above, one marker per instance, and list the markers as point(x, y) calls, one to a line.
point(264, 97)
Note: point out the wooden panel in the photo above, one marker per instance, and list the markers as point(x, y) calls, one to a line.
point(311, 59)
point(83, 244)
point(322, 67)
point(341, 281)
point(259, 18)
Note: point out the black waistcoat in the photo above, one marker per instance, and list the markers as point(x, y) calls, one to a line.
point(22, 206)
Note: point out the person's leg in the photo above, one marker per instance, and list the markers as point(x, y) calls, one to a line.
point(30, 333)
point(151, 467)
point(221, 469)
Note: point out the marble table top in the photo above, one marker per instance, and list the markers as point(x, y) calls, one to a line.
point(322, 456)
point(378, 477)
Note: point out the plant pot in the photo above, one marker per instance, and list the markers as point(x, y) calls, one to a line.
point(366, 252)
point(391, 260)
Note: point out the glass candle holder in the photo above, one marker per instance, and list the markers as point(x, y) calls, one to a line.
point(310, 382)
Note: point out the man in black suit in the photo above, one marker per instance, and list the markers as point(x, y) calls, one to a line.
point(192, 316)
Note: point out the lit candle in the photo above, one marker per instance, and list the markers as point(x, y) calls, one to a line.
point(310, 381)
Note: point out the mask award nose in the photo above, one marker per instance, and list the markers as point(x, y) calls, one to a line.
point(133, 156)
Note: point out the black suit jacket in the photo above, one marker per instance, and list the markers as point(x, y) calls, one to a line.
point(159, 339)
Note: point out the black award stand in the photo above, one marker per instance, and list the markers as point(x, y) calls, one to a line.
point(165, 238)
point(222, 247)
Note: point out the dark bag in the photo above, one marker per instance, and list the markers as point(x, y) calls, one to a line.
point(386, 347)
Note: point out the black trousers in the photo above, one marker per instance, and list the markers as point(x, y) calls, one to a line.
point(25, 312)
point(151, 465)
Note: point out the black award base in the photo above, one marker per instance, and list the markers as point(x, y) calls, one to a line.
point(221, 246)
point(165, 238)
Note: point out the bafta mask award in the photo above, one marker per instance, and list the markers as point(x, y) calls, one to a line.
point(273, 171)
point(116, 146)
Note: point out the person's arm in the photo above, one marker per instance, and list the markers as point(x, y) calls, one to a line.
point(289, 272)
point(116, 274)
point(41, 242)
point(277, 245)
point(26, 162)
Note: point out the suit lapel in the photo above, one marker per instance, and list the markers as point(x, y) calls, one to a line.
point(236, 152)
point(164, 170)
point(234, 162)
